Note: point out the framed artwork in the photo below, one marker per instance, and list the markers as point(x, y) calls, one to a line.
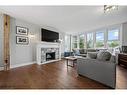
point(22, 40)
point(21, 30)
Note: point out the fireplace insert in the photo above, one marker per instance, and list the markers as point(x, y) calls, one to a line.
point(50, 56)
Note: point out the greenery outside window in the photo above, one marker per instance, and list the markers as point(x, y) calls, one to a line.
point(99, 39)
point(81, 41)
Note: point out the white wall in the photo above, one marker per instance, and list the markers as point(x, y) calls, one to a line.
point(124, 33)
point(20, 54)
point(1, 39)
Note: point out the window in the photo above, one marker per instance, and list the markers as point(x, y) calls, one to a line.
point(67, 43)
point(105, 38)
point(90, 40)
point(74, 42)
point(99, 39)
point(113, 38)
point(81, 41)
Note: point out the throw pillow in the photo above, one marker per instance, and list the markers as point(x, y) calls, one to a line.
point(104, 55)
point(76, 51)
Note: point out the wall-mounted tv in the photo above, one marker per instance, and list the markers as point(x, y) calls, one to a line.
point(49, 36)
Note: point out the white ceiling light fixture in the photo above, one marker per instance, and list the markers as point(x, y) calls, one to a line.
point(109, 8)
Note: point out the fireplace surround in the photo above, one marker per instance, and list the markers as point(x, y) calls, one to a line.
point(48, 52)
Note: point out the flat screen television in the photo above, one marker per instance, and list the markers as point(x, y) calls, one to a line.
point(49, 36)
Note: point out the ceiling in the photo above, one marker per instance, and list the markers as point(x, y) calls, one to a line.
point(69, 19)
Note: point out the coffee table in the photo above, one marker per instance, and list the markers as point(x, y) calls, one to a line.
point(71, 58)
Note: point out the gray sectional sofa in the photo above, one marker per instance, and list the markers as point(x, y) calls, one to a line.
point(98, 66)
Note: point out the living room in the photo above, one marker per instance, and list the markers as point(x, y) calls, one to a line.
point(35, 50)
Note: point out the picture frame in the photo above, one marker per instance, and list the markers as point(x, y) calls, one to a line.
point(22, 40)
point(21, 30)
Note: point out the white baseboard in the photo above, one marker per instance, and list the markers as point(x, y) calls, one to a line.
point(22, 64)
point(48, 61)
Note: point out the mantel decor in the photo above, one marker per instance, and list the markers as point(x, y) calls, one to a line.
point(21, 30)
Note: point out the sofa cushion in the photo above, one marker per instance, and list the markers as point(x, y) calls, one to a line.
point(92, 55)
point(104, 55)
point(76, 51)
point(66, 54)
point(91, 50)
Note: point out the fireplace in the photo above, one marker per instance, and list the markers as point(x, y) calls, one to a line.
point(48, 52)
point(50, 56)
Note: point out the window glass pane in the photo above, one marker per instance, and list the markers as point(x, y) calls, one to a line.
point(74, 38)
point(67, 43)
point(100, 39)
point(74, 45)
point(90, 40)
point(100, 36)
point(81, 41)
point(74, 42)
point(113, 38)
point(113, 34)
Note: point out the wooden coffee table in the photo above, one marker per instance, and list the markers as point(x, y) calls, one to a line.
point(72, 59)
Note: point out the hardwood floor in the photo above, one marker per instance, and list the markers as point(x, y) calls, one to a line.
point(51, 76)
point(121, 75)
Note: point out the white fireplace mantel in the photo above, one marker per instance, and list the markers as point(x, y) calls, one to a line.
point(47, 45)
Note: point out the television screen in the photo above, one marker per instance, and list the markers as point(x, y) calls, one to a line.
point(49, 36)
